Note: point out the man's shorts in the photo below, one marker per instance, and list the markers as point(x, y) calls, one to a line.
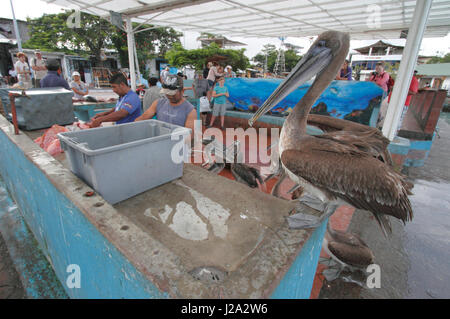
point(210, 84)
point(219, 109)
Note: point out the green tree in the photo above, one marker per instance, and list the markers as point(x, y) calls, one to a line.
point(149, 44)
point(291, 57)
point(437, 59)
point(51, 33)
point(178, 56)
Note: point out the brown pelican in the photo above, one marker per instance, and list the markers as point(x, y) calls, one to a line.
point(341, 166)
point(347, 250)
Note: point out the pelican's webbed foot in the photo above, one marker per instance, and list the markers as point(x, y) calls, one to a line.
point(303, 219)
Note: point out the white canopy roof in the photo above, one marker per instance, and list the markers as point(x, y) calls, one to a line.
point(275, 18)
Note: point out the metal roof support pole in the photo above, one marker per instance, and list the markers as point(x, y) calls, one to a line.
point(407, 65)
point(130, 43)
point(136, 59)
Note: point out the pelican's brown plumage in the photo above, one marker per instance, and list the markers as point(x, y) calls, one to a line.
point(347, 248)
point(350, 162)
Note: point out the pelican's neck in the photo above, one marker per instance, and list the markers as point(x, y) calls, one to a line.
point(295, 124)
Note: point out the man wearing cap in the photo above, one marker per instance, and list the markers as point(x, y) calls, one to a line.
point(173, 108)
point(39, 68)
point(128, 107)
point(78, 87)
point(229, 73)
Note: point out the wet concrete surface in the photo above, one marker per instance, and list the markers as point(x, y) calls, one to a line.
point(10, 284)
point(415, 260)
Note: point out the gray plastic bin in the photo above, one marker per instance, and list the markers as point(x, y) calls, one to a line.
point(44, 107)
point(124, 160)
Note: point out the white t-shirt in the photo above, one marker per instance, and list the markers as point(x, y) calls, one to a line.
point(80, 87)
point(164, 75)
point(38, 74)
point(20, 67)
point(204, 104)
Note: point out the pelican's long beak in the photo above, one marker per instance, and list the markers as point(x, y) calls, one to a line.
point(315, 60)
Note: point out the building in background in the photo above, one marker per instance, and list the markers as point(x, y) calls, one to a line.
point(364, 59)
point(436, 76)
point(8, 41)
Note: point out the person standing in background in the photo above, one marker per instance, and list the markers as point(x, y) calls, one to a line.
point(164, 74)
point(39, 68)
point(345, 73)
point(213, 74)
point(53, 77)
point(413, 89)
point(220, 95)
point(23, 70)
point(152, 94)
point(229, 73)
point(206, 70)
point(380, 77)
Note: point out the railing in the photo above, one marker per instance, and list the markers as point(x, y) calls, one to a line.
point(426, 107)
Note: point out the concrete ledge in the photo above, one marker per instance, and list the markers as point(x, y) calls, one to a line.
point(128, 251)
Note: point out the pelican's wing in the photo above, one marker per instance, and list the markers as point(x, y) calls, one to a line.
point(366, 137)
point(348, 173)
point(372, 142)
point(331, 124)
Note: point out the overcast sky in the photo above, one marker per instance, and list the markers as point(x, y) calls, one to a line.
point(36, 8)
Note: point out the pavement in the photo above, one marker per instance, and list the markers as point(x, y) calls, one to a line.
point(414, 261)
point(10, 284)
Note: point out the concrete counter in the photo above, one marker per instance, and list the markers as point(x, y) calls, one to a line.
point(201, 236)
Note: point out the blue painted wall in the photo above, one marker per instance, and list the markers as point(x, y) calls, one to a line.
point(66, 236)
point(352, 100)
point(298, 281)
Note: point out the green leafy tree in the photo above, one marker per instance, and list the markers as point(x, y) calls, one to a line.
point(437, 59)
point(149, 44)
point(51, 33)
point(178, 56)
point(291, 57)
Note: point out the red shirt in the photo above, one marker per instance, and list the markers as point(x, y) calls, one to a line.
point(381, 80)
point(413, 86)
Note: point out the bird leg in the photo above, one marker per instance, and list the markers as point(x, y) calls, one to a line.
point(332, 273)
point(294, 188)
point(303, 219)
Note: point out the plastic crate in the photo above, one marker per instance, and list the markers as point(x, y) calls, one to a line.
point(124, 160)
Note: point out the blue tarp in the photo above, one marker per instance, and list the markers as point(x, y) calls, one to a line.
point(352, 100)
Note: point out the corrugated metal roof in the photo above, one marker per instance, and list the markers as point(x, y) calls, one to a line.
point(369, 19)
point(438, 69)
